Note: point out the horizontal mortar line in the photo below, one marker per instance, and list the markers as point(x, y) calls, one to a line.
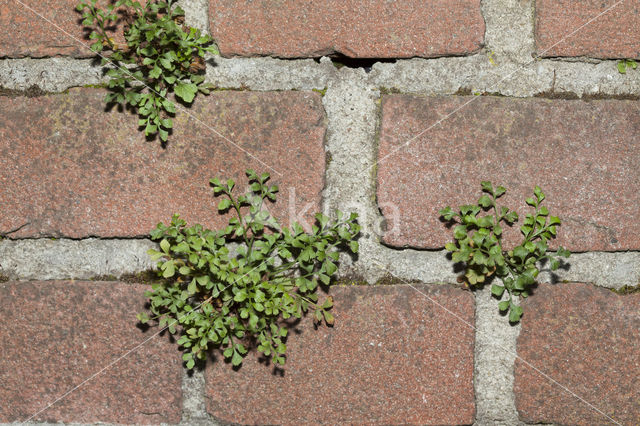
point(18, 257)
point(255, 66)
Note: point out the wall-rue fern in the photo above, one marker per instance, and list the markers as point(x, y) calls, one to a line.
point(478, 244)
point(232, 299)
point(160, 56)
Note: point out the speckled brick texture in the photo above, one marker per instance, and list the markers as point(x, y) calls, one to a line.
point(40, 28)
point(69, 169)
point(584, 155)
point(588, 340)
point(372, 29)
point(57, 335)
point(393, 357)
point(593, 28)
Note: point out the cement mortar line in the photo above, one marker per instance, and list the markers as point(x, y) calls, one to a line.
point(493, 366)
point(478, 73)
point(46, 259)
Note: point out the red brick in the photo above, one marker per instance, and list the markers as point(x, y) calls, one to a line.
point(588, 340)
point(56, 334)
point(584, 155)
point(613, 34)
point(38, 28)
point(393, 357)
point(70, 169)
point(374, 29)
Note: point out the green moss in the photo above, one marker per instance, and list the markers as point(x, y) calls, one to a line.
point(627, 289)
point(3, 278)
point(143, 277)
point(322, 92)
point(389, 91)
point(32, 92)
point(242, 88)
point(328, 158)
point(96, 86)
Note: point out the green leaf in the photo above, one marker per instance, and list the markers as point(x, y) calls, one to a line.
point(192, 288)
point(143, 317)
point(515, 314)
point(520, 252)
point(328, 318)
point(186, 91)
point(511, 217)
point(622, 67)
point(487, 186)
point(504, 305)
point(328, 303)
point(163, 134)
point(353, 245)
point(497, 290)
point(485, 201)
point(165, 246)
point(500, 191)
point(224, 204)
point(485, 222)
point(168, 269)
point(155, 72)
point(554, 220)
point(460, 232)
point(447, 213)
point(236, 360)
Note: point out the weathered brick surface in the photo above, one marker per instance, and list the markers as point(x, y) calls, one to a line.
point(393, 357)
point(588, 340)
point(584, 155)
point(38, 28)
point(55, 335)
point(69, 169)
point(600, 30)
point(373, 29)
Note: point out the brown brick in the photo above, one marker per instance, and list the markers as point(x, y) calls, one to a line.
point(39, 28)
point(587, 339)
point(56, 335)
point(600, 30)
point(584, 155)
point(393, 357)
point(70, 169)
point(374, 29)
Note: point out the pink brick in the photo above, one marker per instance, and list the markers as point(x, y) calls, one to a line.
point(39, 28)
point(373, 29)
point(56, 335)
point(583, 154)
point(70, 169)
point(587, 339)
point(593, 28)
point(393, 357)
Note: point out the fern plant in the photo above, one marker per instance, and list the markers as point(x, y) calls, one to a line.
point(217, 296)
point(478, 245)
point(161, 56)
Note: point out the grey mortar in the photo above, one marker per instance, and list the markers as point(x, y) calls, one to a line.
point(50, 74)
point(352, 107)
point(46, 259)
point(495, 354)
point(196, 14)
point(611, 270)
point(265, 74)
point(194, 406)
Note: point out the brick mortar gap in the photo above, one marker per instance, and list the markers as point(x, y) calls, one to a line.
point(473, 73)
point(494, 363)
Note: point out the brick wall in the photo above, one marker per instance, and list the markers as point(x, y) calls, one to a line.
point(390, 109)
